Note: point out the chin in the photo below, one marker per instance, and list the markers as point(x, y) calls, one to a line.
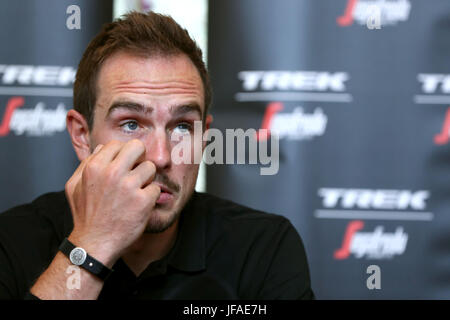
point(162, 217)
point(161, 222)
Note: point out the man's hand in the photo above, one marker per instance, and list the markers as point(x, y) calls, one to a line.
point(111, 197)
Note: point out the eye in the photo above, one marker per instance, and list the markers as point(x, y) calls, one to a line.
point(183, 128)
point(130, 126)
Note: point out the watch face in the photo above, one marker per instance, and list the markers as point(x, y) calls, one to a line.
point(77, 256)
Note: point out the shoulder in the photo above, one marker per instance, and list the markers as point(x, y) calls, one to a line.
point(228, 210)
point(29, 237)
point(264, 250)
point(47, 206)
point(242, 222)
point(45, 216)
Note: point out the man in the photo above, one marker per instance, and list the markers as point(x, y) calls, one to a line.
point(129, 224)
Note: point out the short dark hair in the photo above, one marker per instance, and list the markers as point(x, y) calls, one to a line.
point(142, 34)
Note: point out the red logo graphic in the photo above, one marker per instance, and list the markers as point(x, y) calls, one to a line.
point(271, 110)
point(344, 251)
point(347, 18)
point(374, 13)
point(444, 135)
point(376, 244)
point(295, 125)
point(11, 105)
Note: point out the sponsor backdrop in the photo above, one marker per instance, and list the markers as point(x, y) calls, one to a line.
point(358, 93)
point(41, 49)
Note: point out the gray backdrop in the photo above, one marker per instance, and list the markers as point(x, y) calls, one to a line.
point(364, 157)
point(38, 59)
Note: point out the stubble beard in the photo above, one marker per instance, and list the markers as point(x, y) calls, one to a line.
point(161, 220)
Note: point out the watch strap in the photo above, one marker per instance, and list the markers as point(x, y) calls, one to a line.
point(90, 263)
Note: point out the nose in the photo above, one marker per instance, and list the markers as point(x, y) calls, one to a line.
point(158, 149)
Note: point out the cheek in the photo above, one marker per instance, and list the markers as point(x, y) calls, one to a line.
point(101, 134)
point(186, 174)
point(187, 149)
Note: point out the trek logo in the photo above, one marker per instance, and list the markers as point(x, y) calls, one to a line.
point(434, 89)
point(295, 125)
point(293, 80)
point(434, 83)
point(278, 85)
point(374, 199)
point(389, 12)
point(37, 75)
point(32, 122)
point(372, 245)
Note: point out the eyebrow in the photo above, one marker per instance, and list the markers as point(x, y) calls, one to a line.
point(186, 108)
point(130, 105)
point(176, 111)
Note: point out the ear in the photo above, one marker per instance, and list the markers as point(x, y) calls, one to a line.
point(79, 134)
point(208, 121)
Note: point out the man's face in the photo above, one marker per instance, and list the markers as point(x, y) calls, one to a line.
point(151, 99)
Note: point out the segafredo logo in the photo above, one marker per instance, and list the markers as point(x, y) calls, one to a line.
point(376, 244)
point(295, 125)
point(375, 13)
point(21, 81)
point(443, 137)
point(281, 85)
point(36, 121)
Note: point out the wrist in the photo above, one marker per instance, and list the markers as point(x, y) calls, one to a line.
point(79, 257)
point(102, 252)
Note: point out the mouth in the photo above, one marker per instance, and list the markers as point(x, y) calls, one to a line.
point(165, 196)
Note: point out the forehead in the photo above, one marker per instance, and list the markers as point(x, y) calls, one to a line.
point(154, 77)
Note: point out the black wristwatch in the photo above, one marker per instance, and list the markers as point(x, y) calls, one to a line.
point(79, 257)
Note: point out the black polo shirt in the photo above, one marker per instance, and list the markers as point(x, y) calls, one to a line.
point(223, 251)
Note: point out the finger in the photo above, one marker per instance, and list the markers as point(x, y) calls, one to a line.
point(97, 148)
point(79, 171)
point(108, 152)
point(144, 173)
point(152, 191)
point(131, 154)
